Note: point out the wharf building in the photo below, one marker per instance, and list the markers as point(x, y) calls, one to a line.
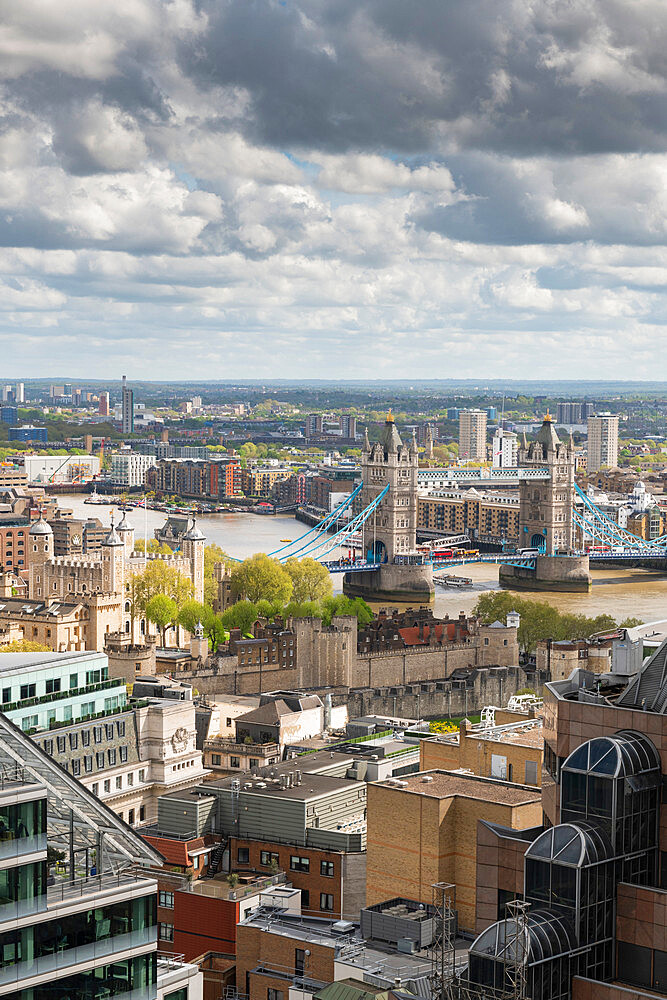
point(84, 925)
point(594, 873)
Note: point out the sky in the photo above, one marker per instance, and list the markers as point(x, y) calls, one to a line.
point(333, 188)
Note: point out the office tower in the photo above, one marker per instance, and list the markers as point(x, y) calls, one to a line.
point(491, 413)
point(103, 405)
point(127, 409)
point(67, 389)
point(9, 415)
point(19, 392)
point(602, 441)
point(7, 394)
point(453, 413)
point(504, 449)
point(472, 435)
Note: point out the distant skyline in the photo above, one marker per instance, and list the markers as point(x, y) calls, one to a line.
point(341, 188)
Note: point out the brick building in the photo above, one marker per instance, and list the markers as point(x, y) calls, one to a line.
point(512, 751)
point(423, 830)
point(484, 516)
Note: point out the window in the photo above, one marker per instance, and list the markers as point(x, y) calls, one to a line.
point(73, 680)
point(97, 733)
point(76, 768)
point(73, 741)
point(96, 788)
point(299, 961)
point(165, 932)
point(28, 691)
point(229, 723)
point(531, 772)
point(305, 899)
point(243, 855)
point(142, 813)
point(180, 994)
point(6, 695)
point(111, 754)
point(88, 763)
point(327, 868)
point(234, 761)
point(142, 774)
point(99, 759)
point(48, 746)
point(272, 994)
point(85, 737)
point(109, 731)
point(299, 864)
point(107, 785)
point(216, 759)
point(326, 901)
point(119, 781)
point(130, 778)
point(166, 899)
point(130, 817)
point(120, 728)
point(268, 858)
point(53, 685)
point(254, 762)
point(123, 754)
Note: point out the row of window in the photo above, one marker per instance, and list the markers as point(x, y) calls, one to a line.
point(129, 780)
point(53, 685)
point(111, 761)
point(98, 733)
point(297, 863)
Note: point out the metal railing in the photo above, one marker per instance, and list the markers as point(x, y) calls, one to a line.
point(66, 890)
point(11, 776)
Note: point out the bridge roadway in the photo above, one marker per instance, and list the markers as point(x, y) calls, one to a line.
point(511, 559)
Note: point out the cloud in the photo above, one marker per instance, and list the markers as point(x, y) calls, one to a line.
point(334, 187)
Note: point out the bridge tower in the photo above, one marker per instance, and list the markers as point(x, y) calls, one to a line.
point(545, 511)
point(390, 534)
point(392, 530)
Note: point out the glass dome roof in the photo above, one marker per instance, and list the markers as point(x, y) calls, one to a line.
point(624, 754)
point(548, 935)
point(574, 844)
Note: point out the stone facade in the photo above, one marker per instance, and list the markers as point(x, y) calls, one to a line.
point(545, 505)
point(100, 580)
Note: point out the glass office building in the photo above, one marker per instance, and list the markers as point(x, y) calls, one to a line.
point(75, 921)
point(609, 810)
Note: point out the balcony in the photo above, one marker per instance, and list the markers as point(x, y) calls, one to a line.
point(45, 699)
point(66, 891)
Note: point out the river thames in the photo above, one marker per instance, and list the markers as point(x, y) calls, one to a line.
point(620, 593)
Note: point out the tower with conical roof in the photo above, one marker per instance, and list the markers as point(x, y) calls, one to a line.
point(392, 530)
point(113, 562)
point(193, 550)
point(545, 513)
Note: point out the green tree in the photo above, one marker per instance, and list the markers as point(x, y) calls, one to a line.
point(341, 605)
point(159, 577)
point(25, 646)
point(152, 545)
point(261, 578)
point(193, 612)
point(163, 612)
point(631, 622)
point(311, 581)
point(241, 615)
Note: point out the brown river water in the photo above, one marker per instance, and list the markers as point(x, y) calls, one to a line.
point(617, 592)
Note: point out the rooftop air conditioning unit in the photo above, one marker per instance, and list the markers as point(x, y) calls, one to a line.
point(427, 777)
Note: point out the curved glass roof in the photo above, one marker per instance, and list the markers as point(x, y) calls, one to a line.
point(547, 936)
point(624, 754)
point(574, 844)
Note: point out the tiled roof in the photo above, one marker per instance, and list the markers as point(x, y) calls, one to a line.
point(175, 852)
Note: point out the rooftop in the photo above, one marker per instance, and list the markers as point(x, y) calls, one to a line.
point(312, 786)
point(28, 661)
point(448, 784)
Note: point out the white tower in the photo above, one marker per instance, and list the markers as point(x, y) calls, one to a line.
point(193, 550)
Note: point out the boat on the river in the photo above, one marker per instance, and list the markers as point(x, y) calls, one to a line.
point(453, 581)
point(285, 539)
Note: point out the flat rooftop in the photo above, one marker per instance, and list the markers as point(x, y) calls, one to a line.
point(312, 786)
point(449, 784)
point(30, 661)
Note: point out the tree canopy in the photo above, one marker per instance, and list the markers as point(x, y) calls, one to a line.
point(25, 646)
point(311, 581)
point(261, 578)
point(158, 577)
point(162, 611)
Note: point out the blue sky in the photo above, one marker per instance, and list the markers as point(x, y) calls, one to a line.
point(333, 188)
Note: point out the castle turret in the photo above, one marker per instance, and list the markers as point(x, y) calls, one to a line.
point(193, 550)
point(40, 539)
point(126, 532)
point(113, 562)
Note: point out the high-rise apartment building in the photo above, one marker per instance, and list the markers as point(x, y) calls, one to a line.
point(19, 392)
point(313, 424)
point(348, 425)
point(103, 405)
point(505, 449)
point(602, 441)
point(127, 408)
point(472, 435)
